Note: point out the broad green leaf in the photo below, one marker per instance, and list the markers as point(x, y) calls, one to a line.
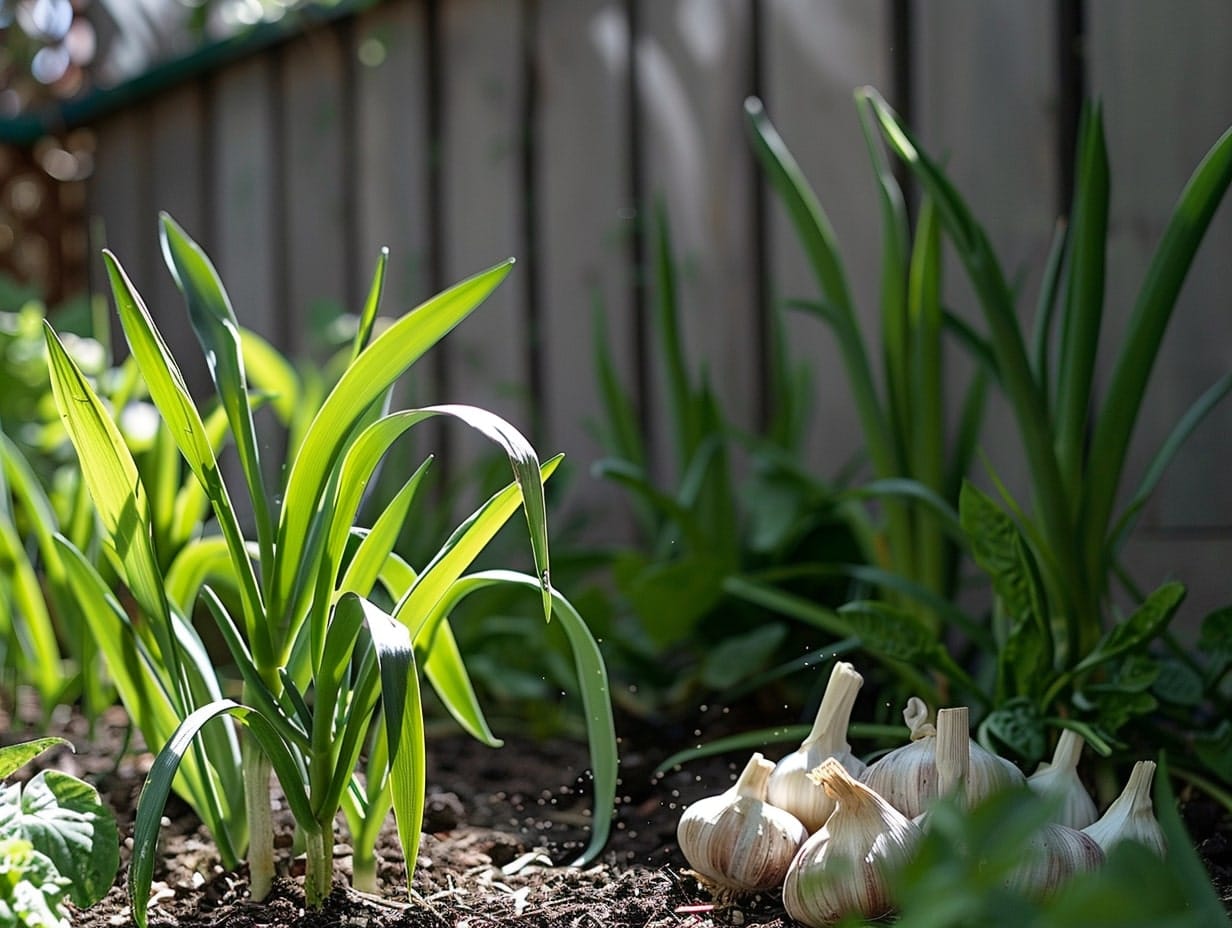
point(1144, 334)
point(158, 785)
point(1141, 628)
point(403, 717)
point(15, 756)
point(214, 321)
point(1215, 640)
point(1214, 749)
point(1179, 684)
point(674, 595)
point(64, 818)
point(31, 890)
point(377, 366)
point(892, 632)
point(1018, 725)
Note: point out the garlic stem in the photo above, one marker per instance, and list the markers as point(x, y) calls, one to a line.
point(752, 781)
point(916, 717)
point(1060, 778)
point(829, 731)
point(953, 750)
point(1069, 749)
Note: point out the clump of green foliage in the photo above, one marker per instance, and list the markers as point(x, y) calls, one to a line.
point(58, 842)
point(326, 626)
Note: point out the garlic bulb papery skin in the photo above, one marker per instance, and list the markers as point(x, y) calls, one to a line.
point(790, 787)
point(1051, 856)
point(1060, 779)
point(737, 841)
point(1131, 817)
point(907, 776)
point(841, 870)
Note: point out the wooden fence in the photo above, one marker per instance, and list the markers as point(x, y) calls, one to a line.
point(459, 132)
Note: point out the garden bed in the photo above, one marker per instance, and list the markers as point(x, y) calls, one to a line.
point(495, 817)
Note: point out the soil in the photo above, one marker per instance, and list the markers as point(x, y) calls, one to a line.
point(496, 820)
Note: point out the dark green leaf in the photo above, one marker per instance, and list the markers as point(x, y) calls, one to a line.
point(1215, 639)
point(1179, 684)
point(65, 819)
point(1018, 725)
point(1141, 628)
point(734, 659)
point(889, 631)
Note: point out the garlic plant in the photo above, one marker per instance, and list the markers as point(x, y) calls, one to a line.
point(1131, 817)
point(1060, 778)
point(907, 776)
point(841, 870)
point(790, 787)
point(737, 841)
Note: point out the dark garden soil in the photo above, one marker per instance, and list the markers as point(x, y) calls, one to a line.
point(495, 820)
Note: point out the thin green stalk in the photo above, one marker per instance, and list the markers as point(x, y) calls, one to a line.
point(319, 875)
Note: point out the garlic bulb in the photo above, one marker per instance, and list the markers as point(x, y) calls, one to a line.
point(841, 870)
point(1052, 855)
point(1060, 778)
point(1131, 817)
point(737, 841)
point(790, 787)
point(907, 776)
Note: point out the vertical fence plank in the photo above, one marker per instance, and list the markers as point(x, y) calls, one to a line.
point(177, 124)
point(987, 86)
point(694, 70)
point(243, 218)
point(393, 149)
point(1160, 121)
point(119, 198)
point(482, 99)
point(816, 56)
point(314, 220)
point(585, 222)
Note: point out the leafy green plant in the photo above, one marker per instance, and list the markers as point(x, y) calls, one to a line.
point(325, 671)
point(1063, 654)
point(58, 842)
point(703, 524)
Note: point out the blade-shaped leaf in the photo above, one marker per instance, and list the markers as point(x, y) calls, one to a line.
point(363, 382)
point(214, 321)
point(460, 551)
point(445, 670)
point(372, 305)
point(403, 716)
point(364, 569)
point(158, 785)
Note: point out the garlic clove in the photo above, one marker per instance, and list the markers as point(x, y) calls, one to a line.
point(1131, 817)
point(1052, 855)
point(907, 776)
point(737, 841)
point(790, 787)
point(1060, 779)
point(841, 870)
